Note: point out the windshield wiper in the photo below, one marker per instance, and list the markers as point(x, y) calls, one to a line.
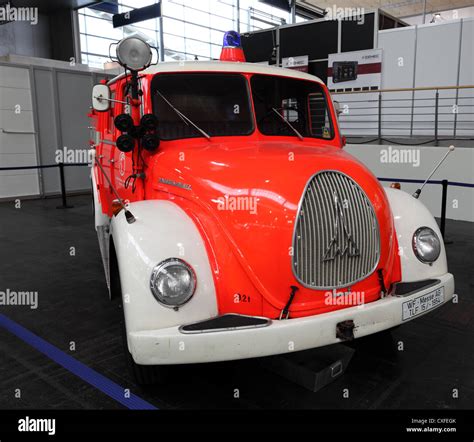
point(288, 123)
point(184, 117)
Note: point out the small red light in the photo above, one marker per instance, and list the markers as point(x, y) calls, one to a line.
point(116, 207)
point(395, 186)
point(232, 54)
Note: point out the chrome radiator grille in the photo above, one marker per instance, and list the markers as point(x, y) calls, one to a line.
point(336, 240)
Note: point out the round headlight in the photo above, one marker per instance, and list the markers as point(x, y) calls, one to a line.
point(426, 245)
point(173, 282)
point(134, 53)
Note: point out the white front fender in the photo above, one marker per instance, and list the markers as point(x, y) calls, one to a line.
point(162, 230)
point(409, 214)
point(100, 219)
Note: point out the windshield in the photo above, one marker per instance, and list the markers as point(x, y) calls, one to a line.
point(301, 105)
point(218, 104)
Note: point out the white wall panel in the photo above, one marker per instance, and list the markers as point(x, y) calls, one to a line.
point(17, 149)
point(466, 77)
point(10, 121)
point(437, 54)
point(11, 97)
point(398, 62)
point(16, 144)
point(18, 183)
point(457, 167)
point(14, 77)
point(424, 56)
point(53, 115)
point(437, 65)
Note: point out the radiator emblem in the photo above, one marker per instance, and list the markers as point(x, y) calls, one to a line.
point(340, 245)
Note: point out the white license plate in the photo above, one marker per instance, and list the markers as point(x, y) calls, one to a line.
point(422, 304)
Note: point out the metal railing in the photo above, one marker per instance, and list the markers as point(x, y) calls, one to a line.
point(438, 113)
point(444, 193)
point(62, 178)
point(443, 183)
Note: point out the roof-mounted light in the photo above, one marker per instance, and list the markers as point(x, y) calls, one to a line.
point(134, 54)
point(232, 47)
point(232, 40)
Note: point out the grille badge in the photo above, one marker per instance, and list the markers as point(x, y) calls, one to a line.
point(336, 242)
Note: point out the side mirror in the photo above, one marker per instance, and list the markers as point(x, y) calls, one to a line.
point(337, 108)
point(101, 97)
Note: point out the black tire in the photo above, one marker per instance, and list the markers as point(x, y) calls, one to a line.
point(93, 202)
point(142, 374)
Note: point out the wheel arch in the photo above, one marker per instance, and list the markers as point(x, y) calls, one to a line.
point(162, 230)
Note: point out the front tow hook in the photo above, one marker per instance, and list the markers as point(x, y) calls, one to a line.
point(345, 330)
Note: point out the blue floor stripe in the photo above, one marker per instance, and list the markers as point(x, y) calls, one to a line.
point(81, 370)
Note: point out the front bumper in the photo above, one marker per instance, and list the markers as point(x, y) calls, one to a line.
point(172, 346)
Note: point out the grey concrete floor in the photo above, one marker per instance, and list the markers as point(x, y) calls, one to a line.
point(35, 242)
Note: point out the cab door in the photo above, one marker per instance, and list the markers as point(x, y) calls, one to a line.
point(105, 154)
point(122, 163)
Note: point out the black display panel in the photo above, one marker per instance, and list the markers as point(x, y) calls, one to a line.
point(358, 36)
point(386, 22)
point(320, 69)
point(109, 6)
point(258, 46)
point(137, 15)
point(316, 40)
point(281, 4)
point(344, 71)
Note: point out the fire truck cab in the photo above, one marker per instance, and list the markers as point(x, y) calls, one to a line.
point(233, 224)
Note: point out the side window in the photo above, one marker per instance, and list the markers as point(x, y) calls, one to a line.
point(302, 104)
point(319, 122)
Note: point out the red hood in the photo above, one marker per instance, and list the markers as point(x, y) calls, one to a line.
point(258, 230)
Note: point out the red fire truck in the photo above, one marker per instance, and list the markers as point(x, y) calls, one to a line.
point(232, 222)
